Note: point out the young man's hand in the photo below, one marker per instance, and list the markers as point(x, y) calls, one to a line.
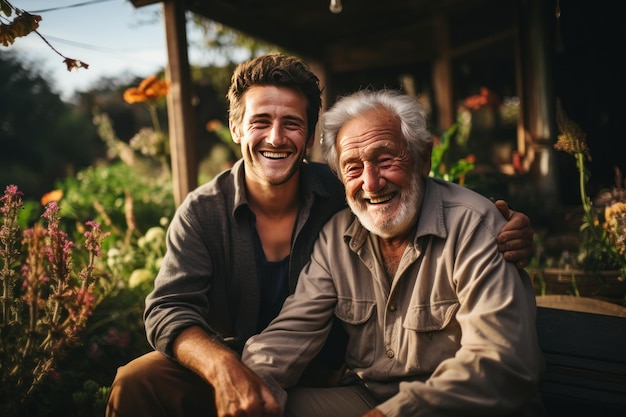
point(237, 389)
point(515, 239)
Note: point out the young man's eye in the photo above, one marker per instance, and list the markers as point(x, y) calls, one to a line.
point(291, 124)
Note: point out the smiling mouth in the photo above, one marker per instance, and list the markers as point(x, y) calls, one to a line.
point(380, 199)
point(275, 155)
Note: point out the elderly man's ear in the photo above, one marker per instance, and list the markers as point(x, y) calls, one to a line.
point(427, 161)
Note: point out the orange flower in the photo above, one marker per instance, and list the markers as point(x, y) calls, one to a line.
point(54, 195)
point(133, 95)
point(149, 89)
point(213, 125)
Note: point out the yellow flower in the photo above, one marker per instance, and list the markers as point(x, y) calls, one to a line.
point(572, 139)
point(614, 210)
point(149, 89)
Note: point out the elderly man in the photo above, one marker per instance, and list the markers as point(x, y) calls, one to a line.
point(438, 322)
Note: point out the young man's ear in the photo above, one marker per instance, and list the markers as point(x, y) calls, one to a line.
point(310, 141)
point(234, 131)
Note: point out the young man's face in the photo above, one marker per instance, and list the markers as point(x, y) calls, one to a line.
point(273, 133)
point(382, 185)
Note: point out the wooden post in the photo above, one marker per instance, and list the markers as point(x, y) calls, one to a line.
point(442, 75)
point(181, 114)
point(538, 101)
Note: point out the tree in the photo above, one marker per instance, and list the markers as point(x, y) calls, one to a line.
point(42, 138)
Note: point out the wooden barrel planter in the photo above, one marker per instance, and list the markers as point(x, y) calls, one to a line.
point(606, 285)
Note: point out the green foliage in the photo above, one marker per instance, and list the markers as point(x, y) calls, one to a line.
point(42, 138)
point(441, 167)
point(126, 201)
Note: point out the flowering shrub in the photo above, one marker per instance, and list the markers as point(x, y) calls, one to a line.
point(129, 193)
point(603, 227)
point(153, 141)
point(45, 302)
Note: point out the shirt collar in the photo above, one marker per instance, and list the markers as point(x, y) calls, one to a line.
point(311, 185)
point(432, 219)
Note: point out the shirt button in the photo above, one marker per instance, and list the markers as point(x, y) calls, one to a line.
point(390, 354)
point(393, 307)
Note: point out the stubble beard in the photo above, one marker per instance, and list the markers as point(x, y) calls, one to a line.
point(261, 172)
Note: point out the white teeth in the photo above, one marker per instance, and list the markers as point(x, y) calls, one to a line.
point(378, 200)
point(275, 155)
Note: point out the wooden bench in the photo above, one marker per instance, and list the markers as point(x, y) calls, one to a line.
point(585, 356)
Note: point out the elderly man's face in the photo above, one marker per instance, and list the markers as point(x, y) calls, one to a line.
point(383, 187)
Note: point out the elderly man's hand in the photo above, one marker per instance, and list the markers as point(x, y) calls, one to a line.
point(515, 239)
point(240, 392)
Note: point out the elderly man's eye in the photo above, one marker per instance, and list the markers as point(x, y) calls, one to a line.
point(385, 162)
point(352, 170)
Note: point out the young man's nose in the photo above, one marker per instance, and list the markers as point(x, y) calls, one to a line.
point(276, 136)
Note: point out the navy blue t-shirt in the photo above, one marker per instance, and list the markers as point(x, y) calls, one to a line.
point(273, 284)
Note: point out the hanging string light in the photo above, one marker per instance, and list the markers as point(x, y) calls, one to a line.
point(336, 6)
point(559, 39)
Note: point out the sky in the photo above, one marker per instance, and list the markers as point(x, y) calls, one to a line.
point(112, 36)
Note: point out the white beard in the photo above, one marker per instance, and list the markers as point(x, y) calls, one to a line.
point(384, 223)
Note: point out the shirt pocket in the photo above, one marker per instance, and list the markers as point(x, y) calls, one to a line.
point(360, 323)
point(432, 335)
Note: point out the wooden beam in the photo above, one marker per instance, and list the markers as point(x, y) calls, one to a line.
point(181, 114)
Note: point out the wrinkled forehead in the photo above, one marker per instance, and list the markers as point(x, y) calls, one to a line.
point(374, 131)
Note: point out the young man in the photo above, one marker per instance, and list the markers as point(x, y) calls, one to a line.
point(235, 249)
point(438, 322)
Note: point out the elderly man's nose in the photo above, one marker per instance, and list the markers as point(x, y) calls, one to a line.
point(372, 180)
